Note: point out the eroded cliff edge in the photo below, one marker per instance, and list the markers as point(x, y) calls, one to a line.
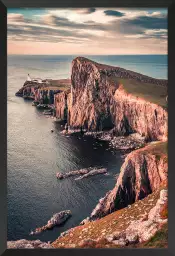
point(104, 97)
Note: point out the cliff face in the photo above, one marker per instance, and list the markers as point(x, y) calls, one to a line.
point(143, 172)
point(43, 92)
point(61, 105)
point(136, 114)
point(90, 97)
point(101, 103)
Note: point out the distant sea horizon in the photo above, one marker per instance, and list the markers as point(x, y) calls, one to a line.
point(59, 66)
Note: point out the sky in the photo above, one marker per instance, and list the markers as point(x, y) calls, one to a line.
point(90, 31)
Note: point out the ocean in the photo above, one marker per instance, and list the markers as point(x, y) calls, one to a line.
point(35, 155)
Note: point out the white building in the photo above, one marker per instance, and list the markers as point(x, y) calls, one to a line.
point(28, 78)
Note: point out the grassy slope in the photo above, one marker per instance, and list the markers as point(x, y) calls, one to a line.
point(60, 84)
point(160, 240)
point(113, 222)
point(157, 148)
point(150, 92)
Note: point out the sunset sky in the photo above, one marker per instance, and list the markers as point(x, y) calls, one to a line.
point(87, 31)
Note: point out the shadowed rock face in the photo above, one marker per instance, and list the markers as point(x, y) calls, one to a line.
point(141, 174)
point(61, 107)
point(91, 97)
point(97, 103)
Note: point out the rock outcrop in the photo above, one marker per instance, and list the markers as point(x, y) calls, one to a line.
point(92, 173)
point(56, 220)
point(83, 172)
point(143, 171)
point(99, 102)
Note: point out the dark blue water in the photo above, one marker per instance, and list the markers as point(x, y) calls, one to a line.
point(35, 154)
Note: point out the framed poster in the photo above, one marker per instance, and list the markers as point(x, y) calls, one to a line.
point(87, 154)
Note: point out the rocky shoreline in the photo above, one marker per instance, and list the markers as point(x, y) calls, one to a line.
point(99, 105)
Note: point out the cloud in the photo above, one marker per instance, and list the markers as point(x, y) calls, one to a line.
point(90, 27)
point(86, 10)
point(149, 22)
point(114, 13)
point(91, 10)
point(53, 20)
point(15, 17)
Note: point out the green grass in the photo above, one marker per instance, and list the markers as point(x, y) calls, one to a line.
point(160, 240)
point(62, 84)
point(150, 92)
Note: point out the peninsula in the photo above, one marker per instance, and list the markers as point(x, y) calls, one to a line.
point(106, 101)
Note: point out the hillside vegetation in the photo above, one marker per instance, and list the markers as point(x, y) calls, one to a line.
point(148, 91)
point(93, 234)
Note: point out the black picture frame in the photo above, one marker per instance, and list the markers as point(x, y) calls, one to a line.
point(4, 4)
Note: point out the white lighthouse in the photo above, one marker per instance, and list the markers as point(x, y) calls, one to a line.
point(28, 78)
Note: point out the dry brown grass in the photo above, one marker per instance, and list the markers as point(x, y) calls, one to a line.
point(99, 229)
point(164, 211)
point(150, 92)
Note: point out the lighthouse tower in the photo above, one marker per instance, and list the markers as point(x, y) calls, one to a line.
point(28, 78)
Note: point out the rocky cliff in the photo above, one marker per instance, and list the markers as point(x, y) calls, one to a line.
point(43, 92)
point(99, 101)
point(133, 114)
point(104, 98)
point(61, 105)
point(143, 172)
